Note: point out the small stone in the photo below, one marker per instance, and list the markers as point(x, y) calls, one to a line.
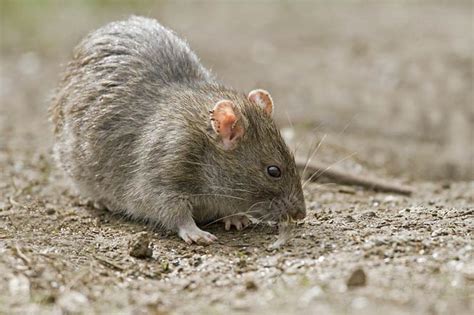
point(368, 215)
point(347, 190)
point(349, 218)
point(439, 232)
point(50, 211)
point(165, 266)
point(250, 285)
point(196, 261)
point(446, 186)
point(358, 278)
point(242, 263)
point(139, 246)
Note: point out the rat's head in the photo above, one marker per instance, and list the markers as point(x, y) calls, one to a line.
point(254, 164)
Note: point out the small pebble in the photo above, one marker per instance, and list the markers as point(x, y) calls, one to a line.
point(368, 215)
point(250, 285)
point(349, 218)
point(446, 186)
point(347, 190)
point(358, 278)
point(139, 246)
point(196, 261)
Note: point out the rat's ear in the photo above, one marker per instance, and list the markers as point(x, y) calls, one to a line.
point(227, 123)
point(263, 99)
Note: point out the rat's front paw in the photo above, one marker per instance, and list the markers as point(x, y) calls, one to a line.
point(239, 221)
point(192, 234)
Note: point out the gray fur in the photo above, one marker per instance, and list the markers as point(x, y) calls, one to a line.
point(133, 133)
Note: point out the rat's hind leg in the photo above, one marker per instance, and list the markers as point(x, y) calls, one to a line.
point(239, 221)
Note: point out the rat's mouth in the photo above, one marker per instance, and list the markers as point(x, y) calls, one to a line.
point(280, 210)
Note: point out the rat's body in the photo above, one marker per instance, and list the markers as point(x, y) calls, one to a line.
point(144, 129)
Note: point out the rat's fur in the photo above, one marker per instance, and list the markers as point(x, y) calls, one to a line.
point(131, 120)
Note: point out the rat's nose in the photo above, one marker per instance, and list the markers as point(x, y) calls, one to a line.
point(299, 215)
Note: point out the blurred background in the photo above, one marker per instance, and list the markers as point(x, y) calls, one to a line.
point(391, 81)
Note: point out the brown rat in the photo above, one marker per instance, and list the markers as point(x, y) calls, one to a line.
point(144, 129)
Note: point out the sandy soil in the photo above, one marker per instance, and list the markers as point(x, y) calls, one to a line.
point(390, 85)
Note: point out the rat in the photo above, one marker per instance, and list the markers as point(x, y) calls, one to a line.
point(142, 128)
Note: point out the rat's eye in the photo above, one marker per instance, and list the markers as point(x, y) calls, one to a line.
point(274, 171)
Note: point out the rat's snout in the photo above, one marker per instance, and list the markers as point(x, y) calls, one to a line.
point(297, 209)
point(299, 214)
point(293, 207)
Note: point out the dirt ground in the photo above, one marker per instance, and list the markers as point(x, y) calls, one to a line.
point(387, 85)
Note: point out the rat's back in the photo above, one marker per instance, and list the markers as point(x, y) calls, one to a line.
point(120, 75)
point(135, 57)
point(147, 45)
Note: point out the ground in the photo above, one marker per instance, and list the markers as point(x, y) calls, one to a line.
point(391, 87)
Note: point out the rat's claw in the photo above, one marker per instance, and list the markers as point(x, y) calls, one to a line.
point(239, 221)
point(238, 225)
point(196, 235)
point(227, 224)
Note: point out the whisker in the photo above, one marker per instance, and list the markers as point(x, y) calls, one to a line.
point(262, 218)
point(312, 155)
point(289, 120)
point(325, 184)
point(319, 173)
point(308, 155)
point(348, 124)
point(301, 141)
point(244, 213)
point(308, 160)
